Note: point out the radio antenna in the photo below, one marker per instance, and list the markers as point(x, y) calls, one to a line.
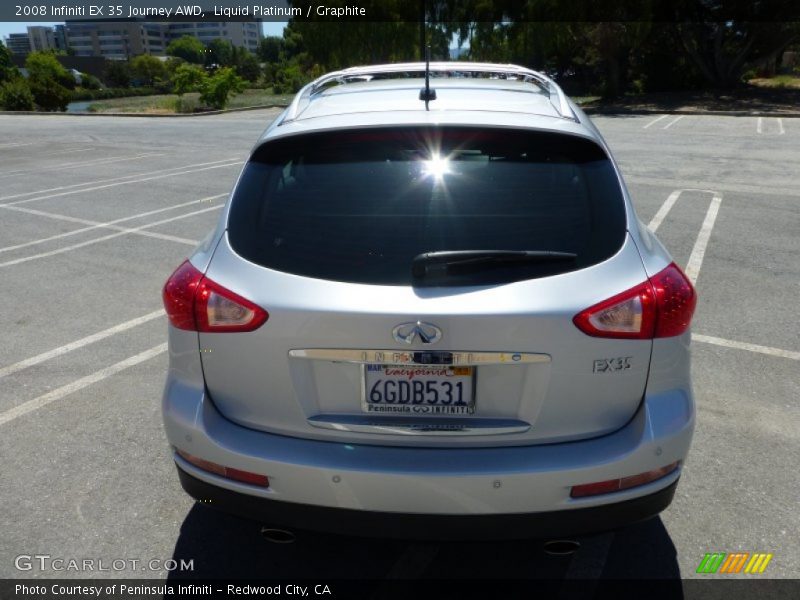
point(427, 94)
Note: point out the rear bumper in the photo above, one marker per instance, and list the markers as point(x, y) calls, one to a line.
point(422, 481)
point(367, 523)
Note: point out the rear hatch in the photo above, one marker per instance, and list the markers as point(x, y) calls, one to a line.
point(421, 286)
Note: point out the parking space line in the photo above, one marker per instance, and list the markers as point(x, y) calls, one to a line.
point(656, 120)
point(656, 221)
point(692, 269)
point(768, 350)
point(85, 341)
point(113, 179)
point(111, 236)
point(109, 185)
point(83, 382)
point(671, 123)
point(698, 252)
point(759, 125)
point(781, 131)
point(77, 165)
point(106, 225)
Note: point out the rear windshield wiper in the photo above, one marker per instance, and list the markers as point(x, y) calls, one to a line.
point(453, 262)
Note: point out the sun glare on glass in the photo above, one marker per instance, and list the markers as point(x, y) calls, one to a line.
point(437, 167)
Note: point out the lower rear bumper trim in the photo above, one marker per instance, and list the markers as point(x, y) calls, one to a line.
point(291, 515)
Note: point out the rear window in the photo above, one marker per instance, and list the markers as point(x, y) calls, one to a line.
point(359, 206)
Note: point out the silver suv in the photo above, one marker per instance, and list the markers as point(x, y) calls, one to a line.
point(429, 310)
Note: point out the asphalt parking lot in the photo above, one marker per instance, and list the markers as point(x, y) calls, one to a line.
point(95, 212)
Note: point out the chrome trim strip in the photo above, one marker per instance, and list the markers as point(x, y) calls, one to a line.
point(400, 357)
point(418, 425)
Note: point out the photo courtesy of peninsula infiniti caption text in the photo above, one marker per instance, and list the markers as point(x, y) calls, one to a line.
point(429, 310)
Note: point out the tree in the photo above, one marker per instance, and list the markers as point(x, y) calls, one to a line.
point(247, 65)
point(188, 48)
point(722, 50)
point(216, 90)
point(46, 78)
point(188, 78)
point(220, 53)
point(7, 69)
point(148, 69)
point(270, 49)
point(45, 65)
point(118, 74)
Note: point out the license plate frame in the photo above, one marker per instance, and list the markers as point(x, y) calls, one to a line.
point(466, 375)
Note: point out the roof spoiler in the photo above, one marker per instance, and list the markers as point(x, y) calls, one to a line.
point(355, 74)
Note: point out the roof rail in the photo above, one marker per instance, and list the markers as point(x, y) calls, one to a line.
point(557, 96)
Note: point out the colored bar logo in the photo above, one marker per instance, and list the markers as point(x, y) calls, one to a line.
point(736, 562)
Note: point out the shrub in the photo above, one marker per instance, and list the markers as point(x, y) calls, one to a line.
point(118, 74)
point(90, 82)
point(188, 78)
point(288, 79)
point(248, 66)
point(49, 95)
point(108, 93)
point(16, 95)
point(217, 90)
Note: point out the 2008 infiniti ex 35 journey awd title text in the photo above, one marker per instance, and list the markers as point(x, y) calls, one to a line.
point(429, 310)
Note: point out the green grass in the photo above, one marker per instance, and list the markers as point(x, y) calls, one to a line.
point(166, 103)
point(779, 81)
point(579, 100)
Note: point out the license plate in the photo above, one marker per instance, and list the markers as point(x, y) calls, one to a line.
point(418, 390)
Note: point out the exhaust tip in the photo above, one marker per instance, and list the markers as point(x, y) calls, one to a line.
point(278, 536)
point(561, 547)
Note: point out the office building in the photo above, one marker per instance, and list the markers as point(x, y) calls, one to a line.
point(37, 38)
point(119, 40)
point(18, 43)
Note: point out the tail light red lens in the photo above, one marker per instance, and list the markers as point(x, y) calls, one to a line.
point(660, 307)
point(196, 303)
point(676, 300)
point(227, 472)
point(624, 483)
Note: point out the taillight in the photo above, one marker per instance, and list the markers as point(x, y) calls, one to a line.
point(660, 307)
point(196, 303)
point(178, 296)
point(676, 300)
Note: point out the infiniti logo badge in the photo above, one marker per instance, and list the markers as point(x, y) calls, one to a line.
point(409, 332)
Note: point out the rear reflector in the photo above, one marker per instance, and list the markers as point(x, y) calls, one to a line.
point(196, 303)
point(660, 307)
point(624, 483)
point(227, 472)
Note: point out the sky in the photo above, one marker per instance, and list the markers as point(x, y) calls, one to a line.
point(6, 27)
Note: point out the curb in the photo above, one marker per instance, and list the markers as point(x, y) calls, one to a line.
point(141, 115)
point(599, 110)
